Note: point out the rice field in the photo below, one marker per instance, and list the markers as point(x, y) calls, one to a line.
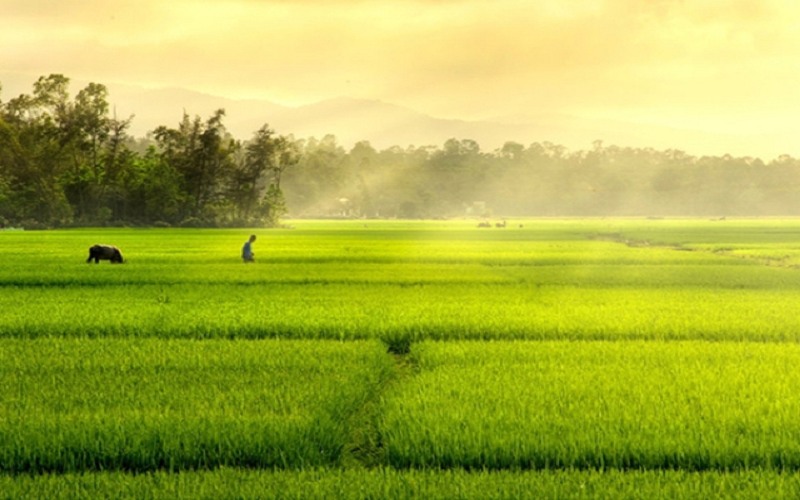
point(109, 404)
point(354, 484)
point(597, 358)
point(691, 406)
point(553, 281)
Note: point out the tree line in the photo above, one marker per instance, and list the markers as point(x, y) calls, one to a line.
point(69, 161)
point(540, 179)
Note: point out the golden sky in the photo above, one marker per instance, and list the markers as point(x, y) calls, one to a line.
point(727, 66)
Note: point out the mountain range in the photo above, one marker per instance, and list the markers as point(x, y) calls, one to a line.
point(385, 124)
point(349, 119)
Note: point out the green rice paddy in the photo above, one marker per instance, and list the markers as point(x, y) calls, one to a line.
point(549, 359)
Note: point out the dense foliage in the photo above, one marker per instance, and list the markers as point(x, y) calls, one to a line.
point(68, 161)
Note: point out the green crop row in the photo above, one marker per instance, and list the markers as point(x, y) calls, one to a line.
point(102, 367)
point(418, 312)
point(140, 405)
point(623, 405)
point(773, 242)
point(388, 483)
point(72, 405)
point(547, 280)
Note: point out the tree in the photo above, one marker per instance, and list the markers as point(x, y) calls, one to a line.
point(202, 153)
point(267, 156)
point(99, 156)
point(457, 175)
point(286, 155)
point(318, 181)
point(39, 146)
point(362, 166)
point(153, 190)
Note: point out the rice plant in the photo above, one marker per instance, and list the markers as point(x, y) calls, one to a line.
point(100, 404)
point(621, 405)
point(325, 483)
point(408, 281)
point(184, 373)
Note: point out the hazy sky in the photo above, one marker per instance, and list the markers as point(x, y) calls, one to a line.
point(728, 66)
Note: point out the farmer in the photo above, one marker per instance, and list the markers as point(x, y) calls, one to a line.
point(247, 250)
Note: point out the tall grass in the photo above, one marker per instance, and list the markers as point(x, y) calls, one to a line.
point(547, 280)
point(314, 483)
point(73, 405)
point(432, 311)
point(622, 405)
point(102, 367)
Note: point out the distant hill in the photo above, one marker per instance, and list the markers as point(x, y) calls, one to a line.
point(350, 120)
point(384, 124)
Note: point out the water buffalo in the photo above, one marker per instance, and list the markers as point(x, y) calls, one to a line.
point(104, 252)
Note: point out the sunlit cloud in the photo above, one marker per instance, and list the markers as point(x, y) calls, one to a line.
point(670, 61)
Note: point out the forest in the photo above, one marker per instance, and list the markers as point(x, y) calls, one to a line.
point(69, 161)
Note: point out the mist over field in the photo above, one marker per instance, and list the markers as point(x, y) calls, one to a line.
point(68, 158)
point(396, 108)
point(385, 124)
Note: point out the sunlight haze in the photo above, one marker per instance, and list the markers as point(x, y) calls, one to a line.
point(723, 69)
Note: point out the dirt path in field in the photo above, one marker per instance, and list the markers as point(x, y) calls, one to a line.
point(631, 242)
point(364, 448)
point(723, 252)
